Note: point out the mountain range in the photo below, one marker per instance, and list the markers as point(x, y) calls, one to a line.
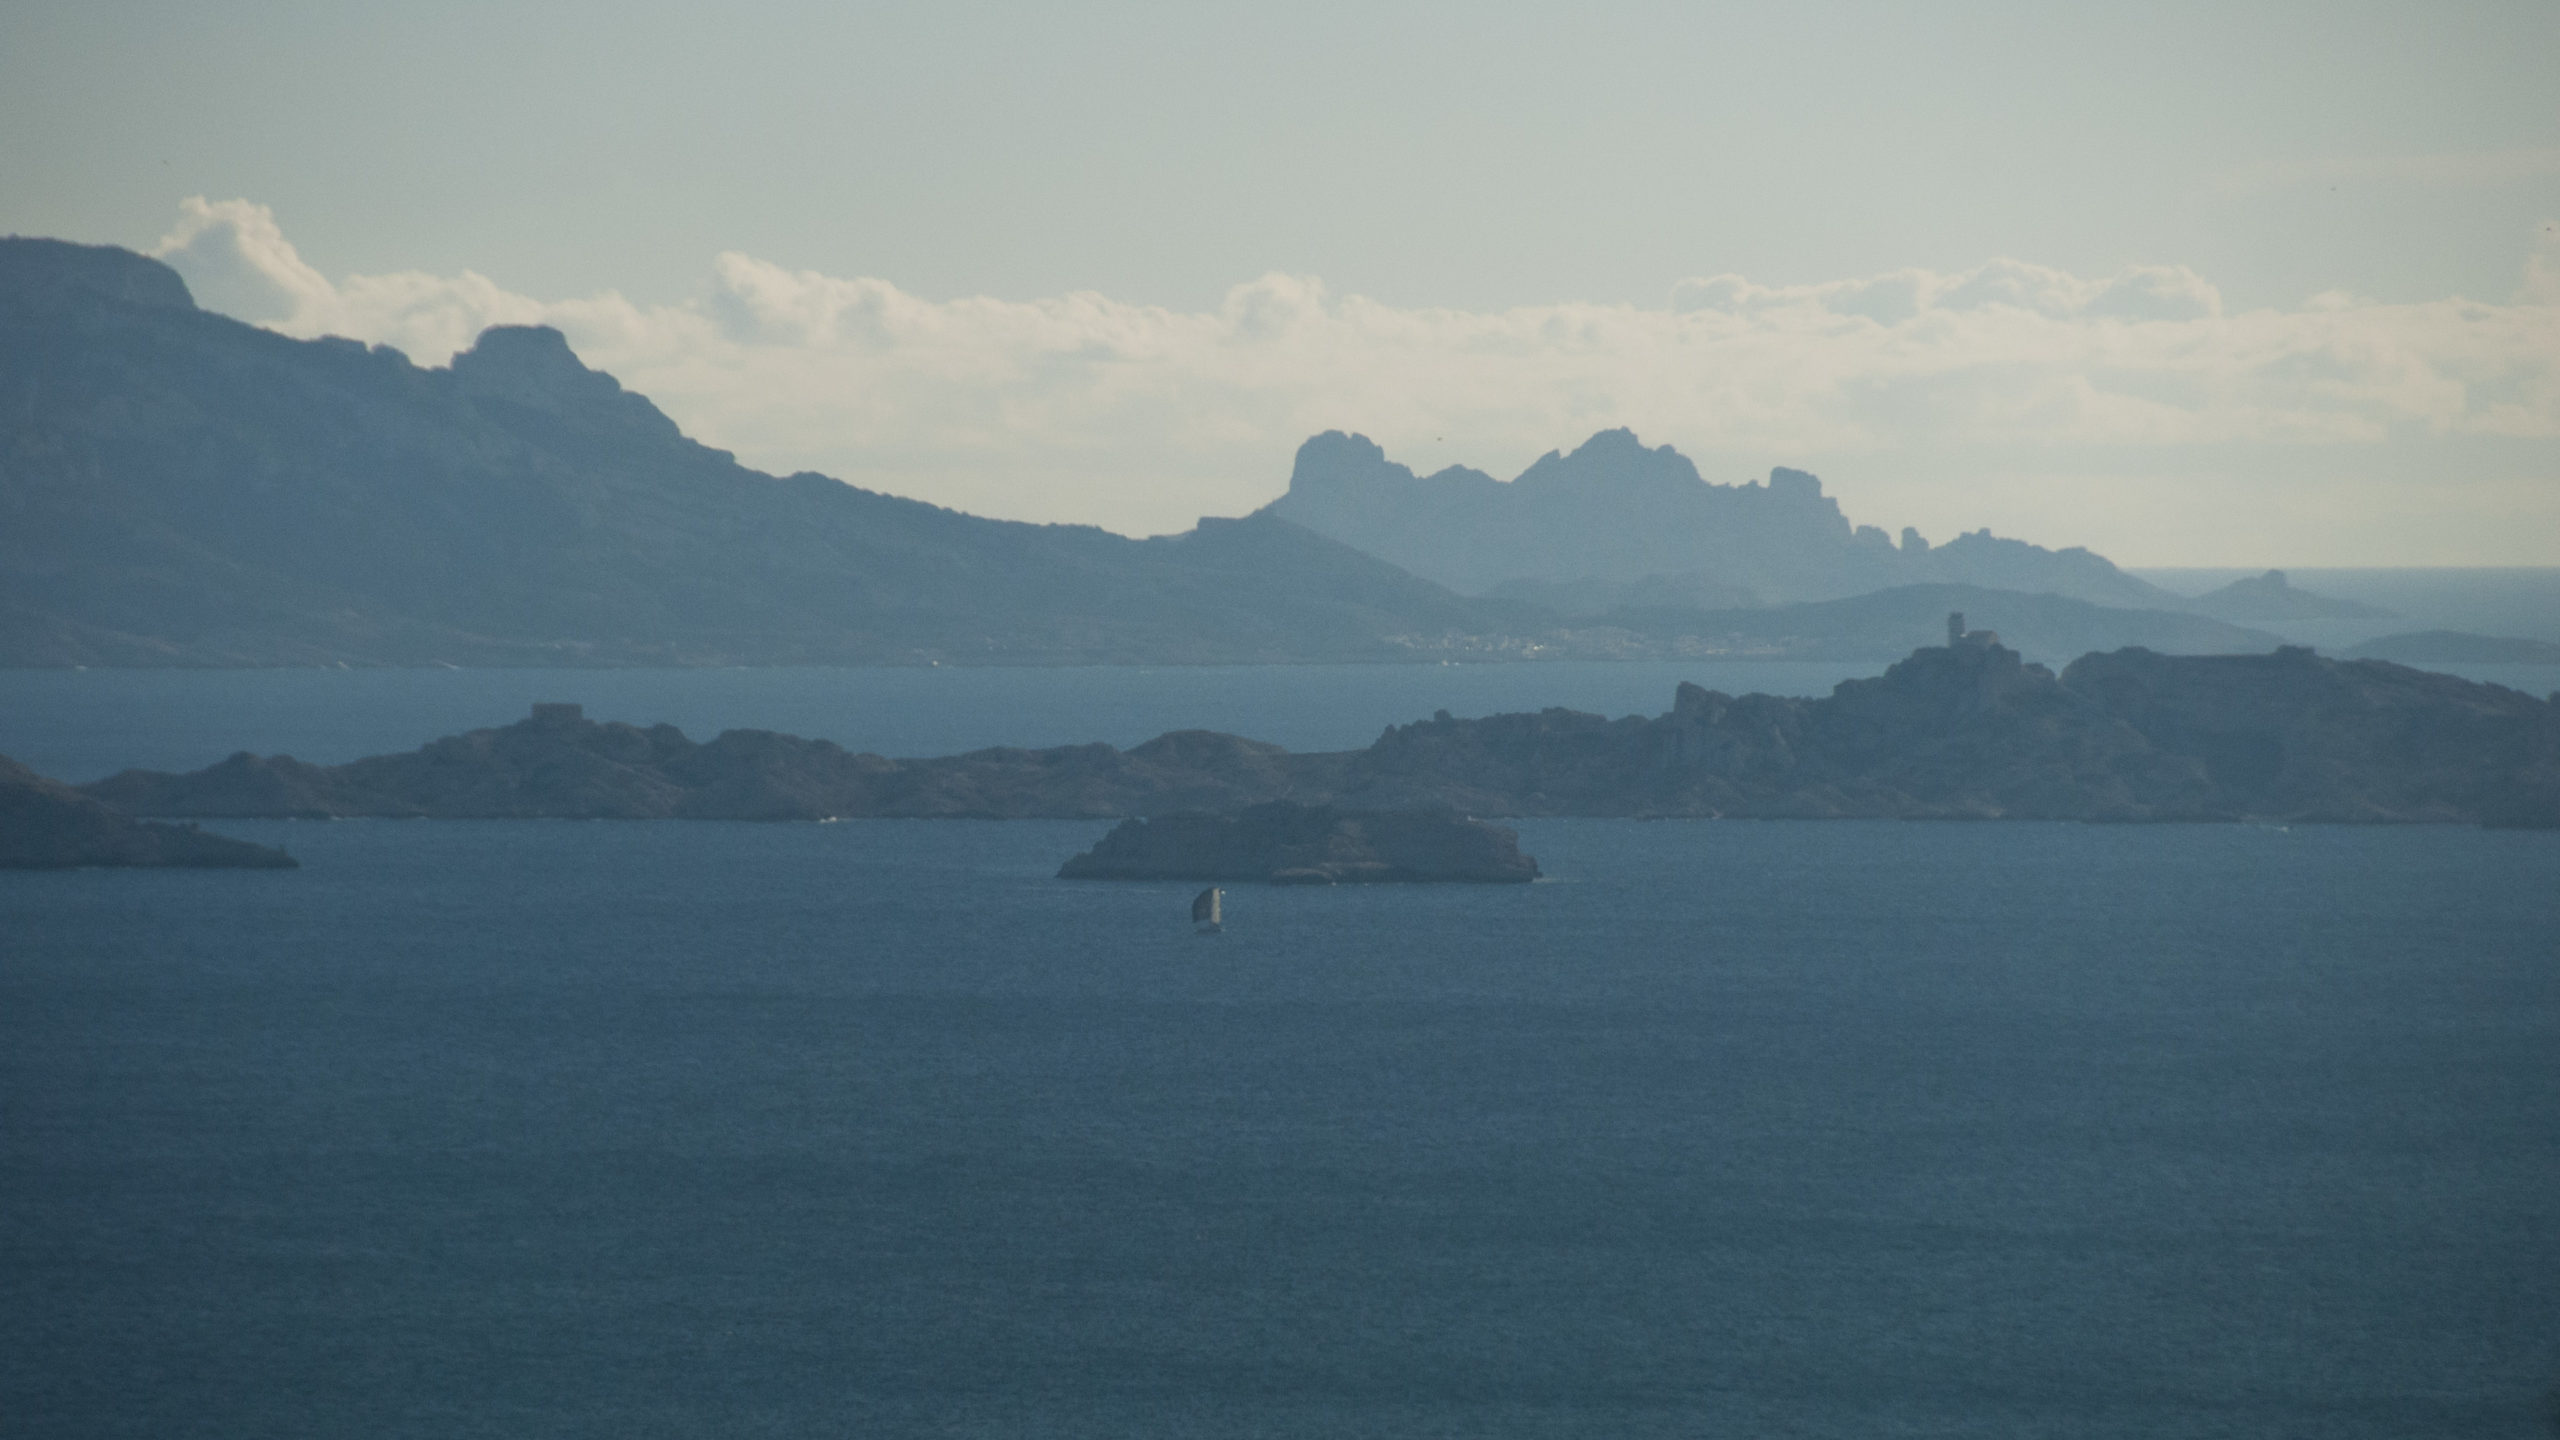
point(180, 488)
point(1615, 513)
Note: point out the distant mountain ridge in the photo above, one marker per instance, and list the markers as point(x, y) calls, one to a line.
point(179, 488)
point(1619, 513)
point(182, 488)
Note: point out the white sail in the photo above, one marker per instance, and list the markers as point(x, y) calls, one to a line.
point(1204, 907)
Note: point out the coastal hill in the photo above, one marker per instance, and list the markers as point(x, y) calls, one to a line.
point(2270, 597)
point(182, 488)
point(47, 825)
point(1962, 730)
point(1615, 512)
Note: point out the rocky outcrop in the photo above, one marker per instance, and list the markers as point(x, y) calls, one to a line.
point(46, 825)
point(1966, 731)
point(1289, 844)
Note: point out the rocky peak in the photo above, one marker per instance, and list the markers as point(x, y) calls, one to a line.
point(1795, 484)
point(1694, 702)
point(533, 366)
point(1337, 460)
point(1616, 460)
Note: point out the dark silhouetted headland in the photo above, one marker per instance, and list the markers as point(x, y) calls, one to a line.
point(46, 825)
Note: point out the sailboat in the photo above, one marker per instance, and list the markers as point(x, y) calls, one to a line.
point(1204, 909)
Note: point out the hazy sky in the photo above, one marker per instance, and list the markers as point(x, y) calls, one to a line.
point(2182, 285)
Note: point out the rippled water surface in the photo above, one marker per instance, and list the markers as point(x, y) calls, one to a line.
point(873, 1128)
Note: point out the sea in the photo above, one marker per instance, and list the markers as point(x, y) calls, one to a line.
point(875, 1128)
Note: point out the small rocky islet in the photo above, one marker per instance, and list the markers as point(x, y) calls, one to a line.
point(1282, 843)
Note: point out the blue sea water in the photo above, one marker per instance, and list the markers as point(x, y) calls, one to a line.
point(877, 1129)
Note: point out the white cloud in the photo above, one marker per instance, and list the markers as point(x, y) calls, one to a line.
point(1081, 407)
point(2143, 292)
point(236, 260)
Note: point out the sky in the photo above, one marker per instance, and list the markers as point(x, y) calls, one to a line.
point(2184, 285)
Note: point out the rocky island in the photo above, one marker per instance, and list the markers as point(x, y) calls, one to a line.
point(47, 825)
point(1965, 730)
point(1290, 844)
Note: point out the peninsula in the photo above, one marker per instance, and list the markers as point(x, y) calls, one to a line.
point(47, 825)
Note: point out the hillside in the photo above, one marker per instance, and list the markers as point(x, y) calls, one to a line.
point(2270, 598)
point(181, 488)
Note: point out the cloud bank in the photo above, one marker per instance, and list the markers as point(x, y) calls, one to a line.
point(1140, 418)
